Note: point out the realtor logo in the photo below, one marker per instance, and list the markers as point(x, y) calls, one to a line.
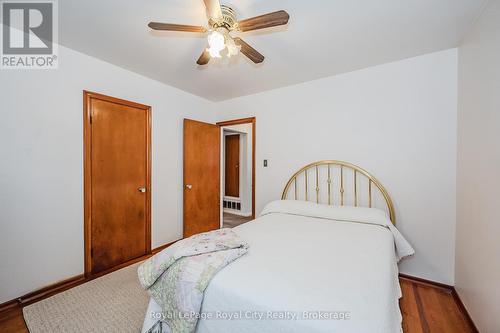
point(29, 32)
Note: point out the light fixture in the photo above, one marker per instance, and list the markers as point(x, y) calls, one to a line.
point(222, 22)
point(218, 40)
point(232, 48)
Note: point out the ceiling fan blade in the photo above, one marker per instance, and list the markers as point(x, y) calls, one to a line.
point(214, 10)
point(204, 58)
point(176, 27)
point(249, 51)
point(264, 21)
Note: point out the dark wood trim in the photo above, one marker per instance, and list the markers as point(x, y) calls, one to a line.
point(43, 293)
point(66, 284)
point(236, 121)
point(253, 121)
point(444, 287)
point(86, 182)
point(422, 281)
point(161, 248)
point(52, 290)
point(149, 164)
point(87, 176)
point(116, 100)
point(6, 306)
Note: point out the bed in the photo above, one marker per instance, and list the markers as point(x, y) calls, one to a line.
point(322, 259)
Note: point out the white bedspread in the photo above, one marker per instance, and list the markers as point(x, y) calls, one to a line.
point(300, 266)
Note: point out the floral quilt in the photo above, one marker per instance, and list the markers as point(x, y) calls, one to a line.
point(177, 277)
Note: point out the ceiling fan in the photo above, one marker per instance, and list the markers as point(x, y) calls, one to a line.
point(222, 21)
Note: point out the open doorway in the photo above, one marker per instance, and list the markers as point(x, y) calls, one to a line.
point(237, 172)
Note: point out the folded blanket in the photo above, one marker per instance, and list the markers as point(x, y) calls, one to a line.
point(177, 276)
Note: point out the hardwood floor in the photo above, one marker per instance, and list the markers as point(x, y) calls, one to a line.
point(12, 321)
point(232, 220)
point(425, 309)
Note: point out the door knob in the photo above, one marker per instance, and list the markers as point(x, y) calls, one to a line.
point(142, 189)
point(189, 186)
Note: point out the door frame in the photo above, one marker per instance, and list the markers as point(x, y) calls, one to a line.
point(253, 121)
point(87, 176)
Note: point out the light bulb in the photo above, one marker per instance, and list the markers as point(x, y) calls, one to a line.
point(232, 48)
point(216, 43)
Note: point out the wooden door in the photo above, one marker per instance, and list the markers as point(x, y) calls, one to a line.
point(201, 177)
point(232, 166)
point(118, 149)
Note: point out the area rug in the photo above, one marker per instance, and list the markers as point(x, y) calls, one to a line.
point(112, 303)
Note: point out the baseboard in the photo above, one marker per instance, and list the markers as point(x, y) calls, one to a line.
point(6, 306)
point(447, 288)
point(53, 289)
point(426, 282)
point(163, 247)
point(43, 293)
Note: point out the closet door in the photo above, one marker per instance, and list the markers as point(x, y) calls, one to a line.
point(117, 182)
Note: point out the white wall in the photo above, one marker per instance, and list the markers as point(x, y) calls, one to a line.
point(41, 168)
point(478, 182)
point(396, 120)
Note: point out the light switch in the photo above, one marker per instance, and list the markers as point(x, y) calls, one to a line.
point(265, 163)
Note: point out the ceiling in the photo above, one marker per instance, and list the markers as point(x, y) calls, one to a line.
point(323, 38)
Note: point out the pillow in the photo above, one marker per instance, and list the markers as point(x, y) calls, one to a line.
point(339, 213)
point(342, 213)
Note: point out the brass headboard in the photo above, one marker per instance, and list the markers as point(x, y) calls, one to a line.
point(337, 179)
